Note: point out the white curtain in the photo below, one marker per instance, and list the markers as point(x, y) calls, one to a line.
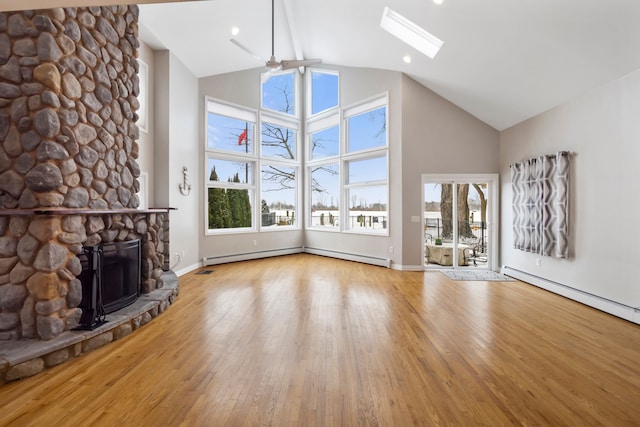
point(541, 205)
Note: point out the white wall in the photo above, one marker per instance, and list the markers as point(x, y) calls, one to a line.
point(602, 130)
point(146, 140)
point(437, 138)
point(176, 145)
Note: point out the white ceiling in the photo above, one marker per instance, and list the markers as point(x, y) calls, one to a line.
point(502, 61)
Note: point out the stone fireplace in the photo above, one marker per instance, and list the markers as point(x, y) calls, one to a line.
point(68, 170)
point(110, 280)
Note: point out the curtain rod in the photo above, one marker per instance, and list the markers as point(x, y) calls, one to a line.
point(563, 153)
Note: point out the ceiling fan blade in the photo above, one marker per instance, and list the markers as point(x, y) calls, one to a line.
point(246, 49)
point(287, 65)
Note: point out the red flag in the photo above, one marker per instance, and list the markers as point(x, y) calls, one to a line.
point(242, 137)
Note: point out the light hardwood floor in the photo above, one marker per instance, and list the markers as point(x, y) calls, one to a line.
point(311, 341)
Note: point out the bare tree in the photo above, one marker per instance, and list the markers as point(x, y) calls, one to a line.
point(446, 211)
point(285, 177)
point(281, 142)
point(380, 112)
point(483, 203)
point(279, 137)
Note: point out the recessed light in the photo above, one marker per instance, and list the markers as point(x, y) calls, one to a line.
point(438, 1)
point(235, 31)
point(410, 33)
point(407, 59)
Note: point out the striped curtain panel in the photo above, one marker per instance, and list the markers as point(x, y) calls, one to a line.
point(541, 205)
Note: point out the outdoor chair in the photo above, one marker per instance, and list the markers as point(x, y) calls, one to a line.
point(474, 253)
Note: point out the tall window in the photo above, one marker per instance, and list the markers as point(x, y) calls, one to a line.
point(279, 159)
point(253, 166)
point(365, 163)
point(347, 160)
point(323, 150)
point(279, 172)
point(230, 164)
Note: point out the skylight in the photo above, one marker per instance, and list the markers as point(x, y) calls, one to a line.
point(410, 33)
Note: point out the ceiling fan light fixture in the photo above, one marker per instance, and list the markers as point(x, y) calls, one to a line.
point(273, 65)
point(410, 33)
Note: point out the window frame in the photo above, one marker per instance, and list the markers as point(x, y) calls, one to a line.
point(302, 163)
point(318, 125)
point(309, 94)
point(297, 197)
point(228, 109)
point(264, 76)
point(323, 120)
point(284, 120)
point(340, 117)
point(279, 120)
point(335, 160)
point(353, 110)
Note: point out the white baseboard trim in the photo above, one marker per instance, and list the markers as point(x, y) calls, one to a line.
point(223, 259)
point(401, 267)
point(188, 269)
point(608, 306)
point(365, 259)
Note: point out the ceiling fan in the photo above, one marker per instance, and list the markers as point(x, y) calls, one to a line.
point(273, 64)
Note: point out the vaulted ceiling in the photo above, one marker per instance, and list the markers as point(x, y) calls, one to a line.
point(503, 61)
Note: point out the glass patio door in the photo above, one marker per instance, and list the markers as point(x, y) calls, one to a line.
point(459, 213)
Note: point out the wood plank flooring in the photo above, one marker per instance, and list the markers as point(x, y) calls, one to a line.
point(304, 340)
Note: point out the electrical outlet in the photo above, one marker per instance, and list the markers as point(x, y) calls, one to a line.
point(183, 253)
point(390, 249)
point(255, 243)
point(538, 262)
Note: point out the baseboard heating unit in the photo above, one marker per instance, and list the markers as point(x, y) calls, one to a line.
point(249, 255)
point(365, 259)
point(614, 308)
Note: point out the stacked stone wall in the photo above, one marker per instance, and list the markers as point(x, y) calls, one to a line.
point(39, 291)
point(68, 140)
point(68, 101)
point(148, 227)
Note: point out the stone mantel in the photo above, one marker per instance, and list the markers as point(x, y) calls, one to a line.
point(92, 212)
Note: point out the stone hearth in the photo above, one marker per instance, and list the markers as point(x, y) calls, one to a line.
point(24, 358)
